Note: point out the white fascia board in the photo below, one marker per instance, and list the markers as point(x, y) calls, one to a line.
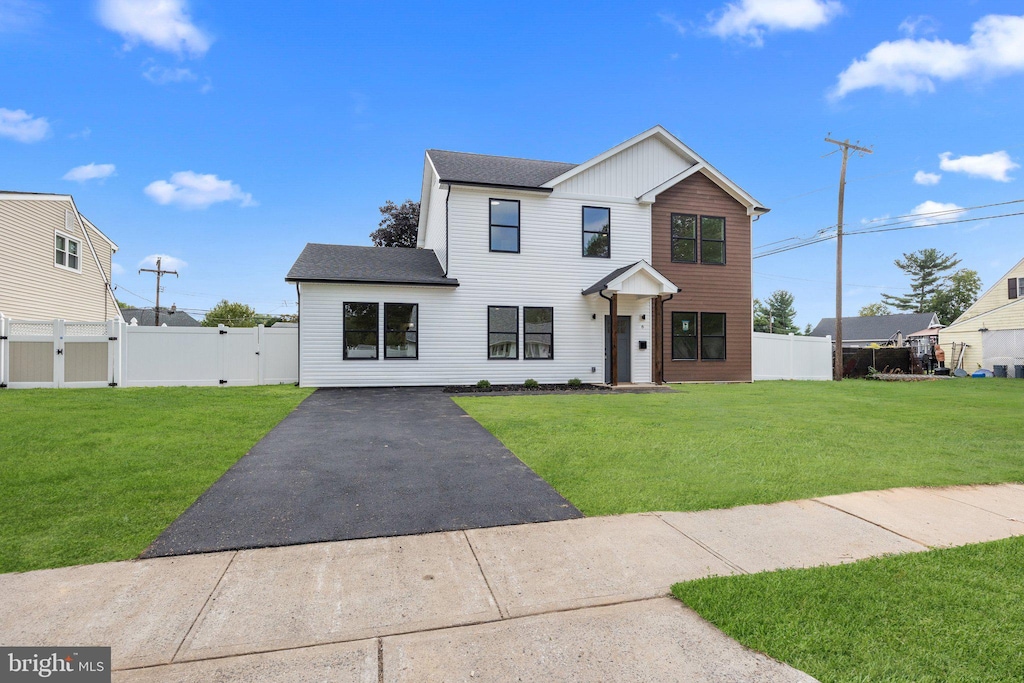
point(99, 266)
point(649, 196)
point(99, 232)
point(668, 287)
point(32, 196)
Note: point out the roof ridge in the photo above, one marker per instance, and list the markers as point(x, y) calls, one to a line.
point(502, 156)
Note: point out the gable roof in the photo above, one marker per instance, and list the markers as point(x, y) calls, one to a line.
point(146, 317)
point(976, 309)
point(368, 265)
point(498, 171)
point(875, 327)
point(53, 196)
point(614, 279)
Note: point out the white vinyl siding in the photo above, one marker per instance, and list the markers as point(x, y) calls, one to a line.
point(435, 237)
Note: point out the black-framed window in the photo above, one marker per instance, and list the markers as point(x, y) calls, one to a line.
point(684, 336)
point(502, 332)
point(504, 225)
point(597, 232)
point(401, 331)
point(360, 331)
point(712, 240)
point(538, 333)
point(684, 238)
point(712, 336)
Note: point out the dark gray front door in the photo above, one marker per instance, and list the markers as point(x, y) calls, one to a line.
point(625, 351)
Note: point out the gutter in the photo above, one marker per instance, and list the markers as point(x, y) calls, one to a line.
point(449, 283)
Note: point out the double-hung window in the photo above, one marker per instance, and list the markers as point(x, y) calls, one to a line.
point(684, 336)
point(538, 333)
point(504, 225)
point(712, 336)
point(66, 252)
point(360, 331)
point(712, 240)
point(401, 339)
point(502, 332)
point(597, 232)
point(684, 238)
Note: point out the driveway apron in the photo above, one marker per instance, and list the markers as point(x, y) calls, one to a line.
point(363, 463)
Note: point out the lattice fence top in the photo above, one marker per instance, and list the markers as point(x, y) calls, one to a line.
point(26, 328)
point(1003, 347)
point(85, 330)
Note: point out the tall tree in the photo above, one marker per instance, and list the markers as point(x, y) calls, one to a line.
point(957, 293)
point(925, 268)
point(877, 308)
point(398, 226)
point(780, 308)
point(761, 317)
point(231, 314)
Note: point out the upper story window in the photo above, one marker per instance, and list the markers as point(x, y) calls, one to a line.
point(712, 240)
point(538, 333)
point(1015, 287)
point(597, 232)
point(66, 252)
point(361, 331)
point(401, 339)
point(505, 225)
point(684, 238)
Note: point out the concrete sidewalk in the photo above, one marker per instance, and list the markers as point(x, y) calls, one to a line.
point(582, 599)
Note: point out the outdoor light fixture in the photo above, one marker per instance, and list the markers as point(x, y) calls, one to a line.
point(593, 316)
point(643, 316)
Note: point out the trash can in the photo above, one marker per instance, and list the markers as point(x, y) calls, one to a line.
point(999, 370)
point(1018, 371)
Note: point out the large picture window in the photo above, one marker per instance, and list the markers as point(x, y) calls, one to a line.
point(684, 336)
point(360, 331)
point(66, 252)
point(505, 225)
point(684, 238)
point(597, 232)
point(712, 240)
point(502, 332)
point(538, 333)
point(401, 331)
point(712, 336)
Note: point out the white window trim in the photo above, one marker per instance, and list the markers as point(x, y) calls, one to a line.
point(67, 238)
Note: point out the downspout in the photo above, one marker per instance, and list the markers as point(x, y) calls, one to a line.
point(446, 197)
point(298, 317)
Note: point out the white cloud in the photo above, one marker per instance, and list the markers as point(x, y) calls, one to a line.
point(18, 16)
point(21, 126)
point(162, 75)
point(191, 190)
point(935, 212)
point(996, 47)
point(994, 166)
point(166, 262)
point(90, 172)
point(670, 20)
point(923, 178)
point(750, 19)
point(164, 24)
point(116, 268)
point(919, 25)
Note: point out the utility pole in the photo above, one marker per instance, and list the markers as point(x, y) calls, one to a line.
point(845, 146)
point(159, 273)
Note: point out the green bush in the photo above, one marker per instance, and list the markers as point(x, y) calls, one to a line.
point(531, 384)
point(575, 383)
point(483, 384)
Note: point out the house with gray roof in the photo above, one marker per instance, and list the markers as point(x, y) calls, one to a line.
point(633, 266)
point(169, 317)
point(862, 331)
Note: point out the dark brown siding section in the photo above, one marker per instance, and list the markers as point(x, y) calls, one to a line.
point(706, 288)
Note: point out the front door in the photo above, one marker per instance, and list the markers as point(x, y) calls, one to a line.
point(625, 351)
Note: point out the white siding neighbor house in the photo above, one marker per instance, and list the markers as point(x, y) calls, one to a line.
point(519, 269)
point(55, 263)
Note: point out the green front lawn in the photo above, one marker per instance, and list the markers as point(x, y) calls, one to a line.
point(91, 475)
point(944, 615)
point(713, 446)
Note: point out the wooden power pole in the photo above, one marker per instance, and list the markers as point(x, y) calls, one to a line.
point(159, 272)
point(845, 146)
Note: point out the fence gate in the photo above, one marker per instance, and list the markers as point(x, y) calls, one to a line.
point(55, 353)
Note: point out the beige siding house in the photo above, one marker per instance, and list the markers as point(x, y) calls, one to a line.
point(54, 263)
point(996, 321)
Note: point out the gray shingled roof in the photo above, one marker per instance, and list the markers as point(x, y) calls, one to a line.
point(481, 169)
point(874, 327)
point(383, 265)
point(146, 317)
point(603, 282)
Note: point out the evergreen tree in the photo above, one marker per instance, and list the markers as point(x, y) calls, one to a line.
point(761, 321)
point(780, 307)
point(925, 268)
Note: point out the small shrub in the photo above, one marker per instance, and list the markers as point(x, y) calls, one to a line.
point(483, 384)
point(531, 384)
point(575, 383)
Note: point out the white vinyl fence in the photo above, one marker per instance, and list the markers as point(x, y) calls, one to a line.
point(787, 356)
point(58, 353)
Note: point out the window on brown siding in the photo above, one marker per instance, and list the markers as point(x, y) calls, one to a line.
point(712, 240)
point(684, 336)
point(712, 336)
point(684, 238)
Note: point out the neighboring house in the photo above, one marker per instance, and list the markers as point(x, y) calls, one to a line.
point(521, 265)
point(55, 263)
point(862, 331)
point(991, 331)
point(170, 317)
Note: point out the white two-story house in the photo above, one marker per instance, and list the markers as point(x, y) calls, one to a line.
point(522, 265)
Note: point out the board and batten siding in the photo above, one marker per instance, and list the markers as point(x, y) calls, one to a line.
point(32, 287)
point(707, 288)
point(630, 173)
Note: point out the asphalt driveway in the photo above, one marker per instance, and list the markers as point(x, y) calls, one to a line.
point(363, 463)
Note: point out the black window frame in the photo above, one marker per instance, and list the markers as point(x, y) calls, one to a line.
point(673, 239)
point(345, 329)
point(700, 226)
point(583, 223)
point(415, 331)
point(550, 335)
point(492, 225)
point(695, 336)
point(724, 337)
point(490, 332)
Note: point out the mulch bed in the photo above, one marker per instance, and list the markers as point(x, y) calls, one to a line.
point(520, 389)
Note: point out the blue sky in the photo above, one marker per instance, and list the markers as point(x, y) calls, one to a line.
point(238, 132)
